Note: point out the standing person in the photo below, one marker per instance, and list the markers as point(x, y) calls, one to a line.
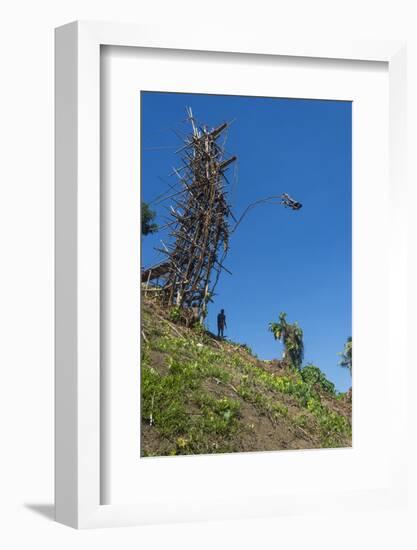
point(221, 324)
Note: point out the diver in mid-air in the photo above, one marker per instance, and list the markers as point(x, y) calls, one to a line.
point(288, 202)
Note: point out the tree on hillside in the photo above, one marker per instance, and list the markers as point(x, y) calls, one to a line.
point(148, 217)
point(346, 355)
point(291, 335)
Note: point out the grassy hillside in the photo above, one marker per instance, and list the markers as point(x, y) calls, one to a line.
point(201, 395)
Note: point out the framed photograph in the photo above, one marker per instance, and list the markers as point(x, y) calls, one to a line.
point(228, 220)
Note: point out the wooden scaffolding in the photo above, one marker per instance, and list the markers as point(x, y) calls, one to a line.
point(198, 221)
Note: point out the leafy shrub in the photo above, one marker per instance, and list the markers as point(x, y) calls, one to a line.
point(313, 376)
point(175, 314)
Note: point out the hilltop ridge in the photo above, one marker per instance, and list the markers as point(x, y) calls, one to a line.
point(201, 395)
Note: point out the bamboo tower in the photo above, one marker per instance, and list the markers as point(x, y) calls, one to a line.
point(198, 221)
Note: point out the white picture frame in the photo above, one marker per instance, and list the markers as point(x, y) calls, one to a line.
point(78, 501)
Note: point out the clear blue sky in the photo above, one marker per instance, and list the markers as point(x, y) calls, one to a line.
point(281, 260)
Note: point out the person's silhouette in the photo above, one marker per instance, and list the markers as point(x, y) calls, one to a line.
point(221, 324)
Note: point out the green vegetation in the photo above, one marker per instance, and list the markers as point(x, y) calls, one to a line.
point(147, 220)
point(175, 314)
point(201, 395)
point(179, 403)
point(292, 338)
point(315, 377)
point(346, 355)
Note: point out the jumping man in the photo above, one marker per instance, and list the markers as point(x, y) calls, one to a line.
point(287, 201)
